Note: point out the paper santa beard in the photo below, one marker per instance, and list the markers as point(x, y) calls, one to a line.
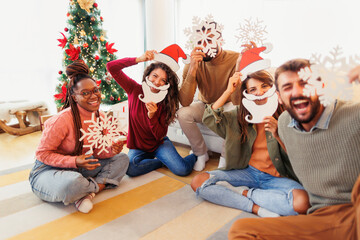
point(259, 112)
point(149, 96)
point(251, 62)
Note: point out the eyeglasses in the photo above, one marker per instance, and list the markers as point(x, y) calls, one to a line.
point(87, 93)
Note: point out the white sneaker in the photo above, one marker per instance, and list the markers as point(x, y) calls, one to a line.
point(85, 204)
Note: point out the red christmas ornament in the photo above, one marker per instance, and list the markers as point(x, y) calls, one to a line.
point(95, 37)
point(97, 57)
point(62, 41)
point(61, 96)
point(98, 83)
point(73, 52)
point(66, 29)
point(60, 72)
point(119, 98)
point(85, 45)
point(109, 48)
point(102, 19)
point(68, 14)
point(111, 98)
point(95, 5)
point(92, 19)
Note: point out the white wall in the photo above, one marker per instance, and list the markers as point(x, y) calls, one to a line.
point(31, 59)
point(296, 28)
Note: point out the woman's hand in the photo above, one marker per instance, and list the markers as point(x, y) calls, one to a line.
point(246, 48)
point(271, 125)
point(234, 81)
point(147, 56)
point(117, 147)
point(152, 108)
point(354, 74)
point(82, 162)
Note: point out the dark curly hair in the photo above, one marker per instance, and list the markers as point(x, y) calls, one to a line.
point(171, 101)
point(76, 72)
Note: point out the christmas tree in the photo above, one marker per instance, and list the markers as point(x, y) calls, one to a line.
point(86, 40)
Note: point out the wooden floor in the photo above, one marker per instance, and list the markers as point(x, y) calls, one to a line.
point(158, 205)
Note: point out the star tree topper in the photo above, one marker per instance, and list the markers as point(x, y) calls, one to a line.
point(327, 77)
point(101, 132)
point(205, 31)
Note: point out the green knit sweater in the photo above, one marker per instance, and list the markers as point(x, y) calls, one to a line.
point(327, 162)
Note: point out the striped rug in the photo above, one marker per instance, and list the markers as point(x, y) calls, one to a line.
point(158, 205)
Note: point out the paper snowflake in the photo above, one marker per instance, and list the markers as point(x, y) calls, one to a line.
point(327, 77)
point(205, 32)
point(251, 31)
point(101, 132)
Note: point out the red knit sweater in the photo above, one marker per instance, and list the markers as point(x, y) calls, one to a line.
point(144, 133)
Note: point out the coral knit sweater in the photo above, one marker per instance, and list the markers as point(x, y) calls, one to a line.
point(58, 140)
point(144, 133)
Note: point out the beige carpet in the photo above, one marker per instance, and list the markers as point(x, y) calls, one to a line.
point(158, 205)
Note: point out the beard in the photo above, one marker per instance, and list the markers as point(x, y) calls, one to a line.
point(314, 109)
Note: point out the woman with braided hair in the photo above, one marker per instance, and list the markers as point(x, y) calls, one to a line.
point(63, 170)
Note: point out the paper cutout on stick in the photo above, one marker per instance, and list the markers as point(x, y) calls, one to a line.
point(170, 56)
point(206, 34)
point(101, 132)
point(327, 77)
point(258, 112)
point(149, 96)
point(251, 61)
point(251, 30)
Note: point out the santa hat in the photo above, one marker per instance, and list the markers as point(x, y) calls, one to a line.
point(170, 56)
point(251, 61)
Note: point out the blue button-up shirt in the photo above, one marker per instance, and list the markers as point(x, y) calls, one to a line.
point(322, 123)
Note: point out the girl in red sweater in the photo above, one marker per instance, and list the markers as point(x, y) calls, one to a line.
point(149, 148)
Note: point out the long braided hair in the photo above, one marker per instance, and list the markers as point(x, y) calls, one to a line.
point(171, 100)
point(262, 76)
point(76, 72)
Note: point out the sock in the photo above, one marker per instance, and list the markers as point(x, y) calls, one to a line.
point(200, 163)
point(84, 204)
point(266, 213)
point(239, 189)
point(222, 162)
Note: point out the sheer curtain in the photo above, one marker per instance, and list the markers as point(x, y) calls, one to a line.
point(296, 28)
point(30, 58)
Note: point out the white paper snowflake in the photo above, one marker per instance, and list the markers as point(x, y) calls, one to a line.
point(205, 32)
point(327, 77)
point(101, 132)
point(251, 31)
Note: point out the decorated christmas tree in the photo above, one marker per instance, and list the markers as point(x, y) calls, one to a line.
point(85, 39)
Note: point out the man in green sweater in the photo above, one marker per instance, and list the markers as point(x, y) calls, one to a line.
point(323, 144)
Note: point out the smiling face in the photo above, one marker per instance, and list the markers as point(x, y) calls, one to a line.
point(305, 110)
point(158, 77)
point(87, 95)
point(257, 88)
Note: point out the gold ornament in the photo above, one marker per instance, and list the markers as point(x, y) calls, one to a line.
point(102, 38)
point(91, 69)
point(71, 17)
point(86, 4)
point(108, 59)
point(102, 96)
point(76, 40)
point(82, 33)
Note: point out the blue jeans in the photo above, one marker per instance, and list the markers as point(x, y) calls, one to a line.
point(142, 162)
point(67, 185)
point(265, 190)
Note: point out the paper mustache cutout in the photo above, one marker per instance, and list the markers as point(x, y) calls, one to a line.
point(258, 112)
point(149, 96)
